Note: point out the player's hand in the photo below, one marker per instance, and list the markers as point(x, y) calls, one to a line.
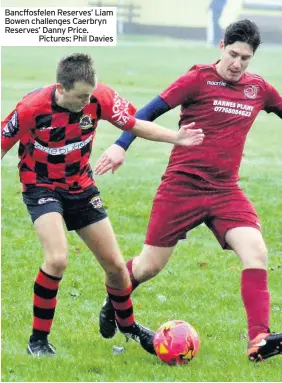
point(187, 136)
point(111, 159)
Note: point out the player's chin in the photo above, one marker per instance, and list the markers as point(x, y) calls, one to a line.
point(235, 77)
point(77, 110)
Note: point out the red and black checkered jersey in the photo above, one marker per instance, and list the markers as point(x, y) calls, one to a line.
point(55, 144)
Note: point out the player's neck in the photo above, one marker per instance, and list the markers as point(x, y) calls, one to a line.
point(58, 99)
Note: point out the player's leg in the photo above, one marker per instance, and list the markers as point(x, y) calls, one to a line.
point(142, 270)
point(151, 261)
point(88, 217)
point(249, 245)
point(170, 219)
point(235, 223)
point(174, 213)
point(148, 264)
point(45, 209)
point(100, 239)
point(210, 30)
point(218, 29)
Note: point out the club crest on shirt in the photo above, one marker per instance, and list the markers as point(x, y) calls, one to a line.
point(251, 91)
point(85, 121)
point(96, 202)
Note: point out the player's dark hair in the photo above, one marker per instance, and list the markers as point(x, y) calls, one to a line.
point(245, 31)
point(75, 67)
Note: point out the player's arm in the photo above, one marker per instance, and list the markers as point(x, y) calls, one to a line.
point(273, 101)
point(120, 117)
point(186, 136)
point(14, 126)
point(174, 95)
point(150, 112)
point(114, 156)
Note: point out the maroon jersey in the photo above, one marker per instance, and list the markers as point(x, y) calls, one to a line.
point(225, 111)
point(55, 144)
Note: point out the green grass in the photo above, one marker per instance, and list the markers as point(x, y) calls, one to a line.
point(207, 297)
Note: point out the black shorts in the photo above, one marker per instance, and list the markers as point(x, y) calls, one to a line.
point(78, 210)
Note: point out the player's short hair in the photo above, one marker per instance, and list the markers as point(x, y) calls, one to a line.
point(76, 67)
point(244, 31)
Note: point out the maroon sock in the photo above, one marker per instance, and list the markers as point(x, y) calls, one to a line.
point(134, 282)
point(122, 304)
point(256, 298)
point(44, 304)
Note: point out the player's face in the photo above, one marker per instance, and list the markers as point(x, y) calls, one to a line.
point(76, 98)
point(234, 61)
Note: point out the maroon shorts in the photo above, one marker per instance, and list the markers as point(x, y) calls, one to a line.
point(178, 208)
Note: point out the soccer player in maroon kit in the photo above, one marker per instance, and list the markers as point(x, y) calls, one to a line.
point(200, 185)
point(56, 126)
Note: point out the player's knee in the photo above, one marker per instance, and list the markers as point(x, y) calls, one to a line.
point(151, 269)
point(257, 256)
point(144, 268)
point(115, 270)
point(261, 254)
point(117, 275)
point(57, 262)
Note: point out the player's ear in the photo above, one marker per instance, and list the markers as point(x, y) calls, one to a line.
point(59, 88)
point(221, 44)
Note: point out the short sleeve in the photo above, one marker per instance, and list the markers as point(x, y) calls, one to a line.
point(182, 90)
point(114, 108)
point(15, 125)
point(273, 100)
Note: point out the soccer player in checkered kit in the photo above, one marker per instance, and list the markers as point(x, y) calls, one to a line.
point(55, 127)
point(200, 185)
